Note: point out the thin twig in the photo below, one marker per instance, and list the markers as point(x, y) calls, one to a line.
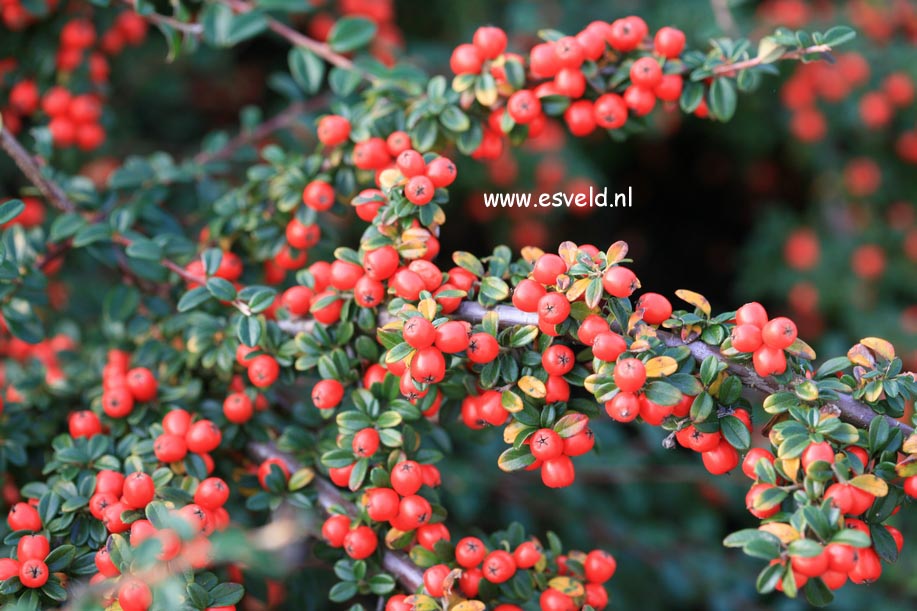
point(851, 411)
point(730, 69)
point(30, 167)
point(329, 498)
point(192, 29)
point(299, 39)
point(283, 119)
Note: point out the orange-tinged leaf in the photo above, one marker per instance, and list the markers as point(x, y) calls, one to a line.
point(392, 536)
point(635, 319)
point(427, 308)
point(690, 332)
point(469, 605)
point(906, 469)
point(786, 533)
point(801, 349)
point(563, 282)
point(567, 251)
point(640, 345)
point(531, 253)
point(860, 355)
point(872, 484)
point(533, 387)
point(659, 366)
point(568, 586)
point(880, 346)
point(616, 252)
point(511, 402)
point(577, 289)
point(696, 299)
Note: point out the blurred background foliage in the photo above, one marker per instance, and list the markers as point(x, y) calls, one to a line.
point(804, 201)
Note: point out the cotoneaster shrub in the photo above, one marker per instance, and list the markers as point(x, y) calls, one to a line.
point(230, 397)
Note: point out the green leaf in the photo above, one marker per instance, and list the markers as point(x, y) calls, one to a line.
point(60, 558)
point(193, 298)
point(221, 289)
point(662, 393)
point(818, 594)
point(883, 543)
point(147, 250)
point(515, 459)
point(344, 590)
point(10, 209)
point(244, 26)
point(691, 96)
point(735, 432)
point(832, 366)
point(343, 82)
point(805, 548)
point(351, 33)
point(454, 119)
point(852, 537)
point(91, 234)
point(307, 69)
point(723, 98)
point(702, 407)
point(838, 35)
point(249, 330)
point(226, 594)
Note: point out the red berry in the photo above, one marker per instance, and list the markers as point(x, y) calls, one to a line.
point(498, 566)
point(212, 493)
point(751, 314)
point(779, 333)
point(669, 42)
point(433, 579)
point(610, 111)
point(419, 190)
point(134, 595)
point(620, 281)
point(599, 566)
point(546, 444)
point(490, 41)
point(170, 448)
point(327, 394)
point(142, 384)
point(335, 529)
point(263, 370)
point(466, 59)
point(33, 573)
point(32, 547)
point(365, 443)
point(333, 130)
point(523, 106)
point(558, 472)
point(360, 543)
point(558, 360)
point(318, 195)
point(746, 338)
point(483, 347)
point(407, 478)
point(646, 72)
point(656, 308)
point(23, 516)
point(203, 436)
point(630, 374)
point(470, 552)
point(138, 491)
point(441, 172)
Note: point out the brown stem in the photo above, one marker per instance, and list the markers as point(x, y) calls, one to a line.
point(32, 170)
point(851, 411)
point(299, 39)
point(397, 563)
point(281, 120)
point(192, 29)
point(730, 69)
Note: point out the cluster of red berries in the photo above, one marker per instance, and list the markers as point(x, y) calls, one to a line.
point(31, 551)
point(73, 118)
point(766, 339)
point(181, 435)
point(16, 17)
point(562, 62)
point(122, 388)
point(137, 490)
point(837, 562)
point(831, 83)
point(47, 352)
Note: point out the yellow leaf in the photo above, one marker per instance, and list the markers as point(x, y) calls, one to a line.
point(715, 385)
point(790, 466)
point(422, 602)
point(906, 469)
point(469, 605)
point(578, 288)
point(567, 251)
point(660, 366)
point(807, 391)
point(396, 324)
point(389, 178)
point(531, 253)
point(533, 387)
point(690, 332)
point(880, 346)
point(589, 383)
point(640, 345)
point(786, 533)
point(874, 393)
point(860, 355)
point(301, 479)
point(696, 299)
point(616, 252)
point(393, 535)
point(511, 402)
point(872, 484)
point(427, 308)
point(511, 431)
point(635, 319)
point(568, 586)
point(910, 444)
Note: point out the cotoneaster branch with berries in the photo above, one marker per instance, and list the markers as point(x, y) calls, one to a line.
point(201, 356)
